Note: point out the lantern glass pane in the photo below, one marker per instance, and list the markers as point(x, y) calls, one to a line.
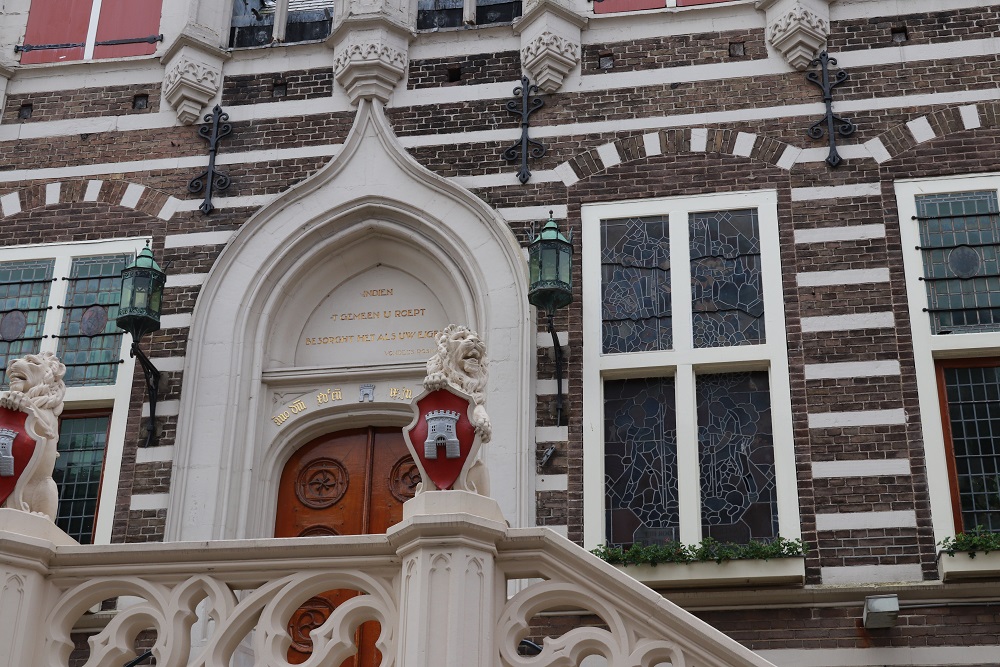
point(128, 290)
point(141, 298)
point(533, 261)
point(550, 259)
point(565, 264)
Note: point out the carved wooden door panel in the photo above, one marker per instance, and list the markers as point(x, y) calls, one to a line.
point(344, 483)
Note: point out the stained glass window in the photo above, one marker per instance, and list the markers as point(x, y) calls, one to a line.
point(726, 294)
point(736, 452)
point(24, 299)
point(635, 284)
point(640, 461)
point(973, 398)
point(960, 245)
point(78, 474)
point(90, 342)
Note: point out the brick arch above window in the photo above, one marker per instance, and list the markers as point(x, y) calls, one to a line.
point(677, 141)
point(908, 135)
point(114, 193)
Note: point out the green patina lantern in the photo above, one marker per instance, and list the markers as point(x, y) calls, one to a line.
point(142, 296)
point(550, 264)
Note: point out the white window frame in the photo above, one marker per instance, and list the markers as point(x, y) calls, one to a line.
point(684, 361)
point(928, 347)
point(115, 397)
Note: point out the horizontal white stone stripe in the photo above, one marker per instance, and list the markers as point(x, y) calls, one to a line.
point(154, 454)
point(871, 574)
point(163, 408)
point(175, 321)
point(836, 191)
point(551, 433)
point(857, 418)
point(508, 179)
point(186, 279)
point(900, 656)
point(168, 364)
point(197, 239)
point(834, 234)
point(845, 277)
point(865, 468)
point(548, 387)
point(866, 520)
point(149, 501)
point(551, 482)
point(544, 338)
point(243, 201)
point(878, 320)
point(852, 369)
point(530, 213)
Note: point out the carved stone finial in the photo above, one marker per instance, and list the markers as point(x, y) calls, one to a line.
point(371, 50)
point(29, 417)
point(797, 29)
point(550, 42)
point(193, 73)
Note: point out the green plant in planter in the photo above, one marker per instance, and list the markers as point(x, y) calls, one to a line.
point(708, 550)
point(977, 540)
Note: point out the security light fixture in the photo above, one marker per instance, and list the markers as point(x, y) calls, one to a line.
point(550, 264)
point(139, 314)
point(881, 611)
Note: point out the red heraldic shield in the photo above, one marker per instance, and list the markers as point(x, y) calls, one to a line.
point(442, 437)
point(16, 448)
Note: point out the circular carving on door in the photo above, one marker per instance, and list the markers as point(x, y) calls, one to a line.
point(403, 479)
point(312, 614)
point(321, 484)
point(318, 531)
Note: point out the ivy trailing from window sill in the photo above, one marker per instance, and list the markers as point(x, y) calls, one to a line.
point(971, 542)
point(708, 550)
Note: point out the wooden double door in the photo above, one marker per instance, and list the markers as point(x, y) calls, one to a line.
point(344, 483)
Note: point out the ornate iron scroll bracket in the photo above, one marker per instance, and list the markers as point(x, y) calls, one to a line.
point(831, 123)
point(525, 147)
point(212, 179)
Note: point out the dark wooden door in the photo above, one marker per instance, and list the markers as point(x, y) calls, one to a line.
point(344, 483)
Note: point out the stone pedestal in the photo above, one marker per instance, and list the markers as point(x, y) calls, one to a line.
point(797, 29)
point(550, 42)
point(450, 588)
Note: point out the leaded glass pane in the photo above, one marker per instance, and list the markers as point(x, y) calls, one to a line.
point(974, 413)
point(78, 474)
point(726, 293)
point(960, 244)
point(640, 461)
point(736, 455)
point(93, 281)
point(24, 300)
point(635, 284)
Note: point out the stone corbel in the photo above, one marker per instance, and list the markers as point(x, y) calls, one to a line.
point(371, 44)
point(6, 74)
point(550, 42)
point(797, 29)
point(193, 72)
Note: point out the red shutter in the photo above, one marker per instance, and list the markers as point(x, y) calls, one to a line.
point(692, 3)
point(614, 6)
point(56, 22)
point(127, 19)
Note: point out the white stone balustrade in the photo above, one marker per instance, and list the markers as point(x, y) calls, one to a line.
point(437, 585)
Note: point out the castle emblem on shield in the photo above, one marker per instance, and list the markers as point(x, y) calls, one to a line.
point(7, 452)
point(441, 432)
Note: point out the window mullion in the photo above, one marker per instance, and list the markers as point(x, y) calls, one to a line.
point(680, 280)
point(95, 14)
point(57, 298)
point(280, 20)
point(688, 475)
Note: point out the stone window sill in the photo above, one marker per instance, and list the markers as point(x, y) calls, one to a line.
point(730, 573)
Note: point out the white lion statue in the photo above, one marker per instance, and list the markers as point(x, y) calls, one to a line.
point(461, 361)
point(37, 388)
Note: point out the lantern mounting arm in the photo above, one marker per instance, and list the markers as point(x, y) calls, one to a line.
point(557, 348)
point(152, 376)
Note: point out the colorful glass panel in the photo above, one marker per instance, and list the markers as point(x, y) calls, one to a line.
point(736, 453)
point(974, 413)
point(635, 284)
point(78, 474)
point(92, 359)
point(24, 300)
point(960, 244)
point(640, 461)
point(726, 292)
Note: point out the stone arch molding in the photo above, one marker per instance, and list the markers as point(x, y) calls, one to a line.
point(372, 205)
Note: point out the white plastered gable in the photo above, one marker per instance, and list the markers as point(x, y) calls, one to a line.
point(371, 206)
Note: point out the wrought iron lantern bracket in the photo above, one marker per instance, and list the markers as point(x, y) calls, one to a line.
point(830, 122)
point(212, 179)
point(524, 104)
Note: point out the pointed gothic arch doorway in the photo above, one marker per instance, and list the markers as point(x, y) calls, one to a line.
point(350, 482)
